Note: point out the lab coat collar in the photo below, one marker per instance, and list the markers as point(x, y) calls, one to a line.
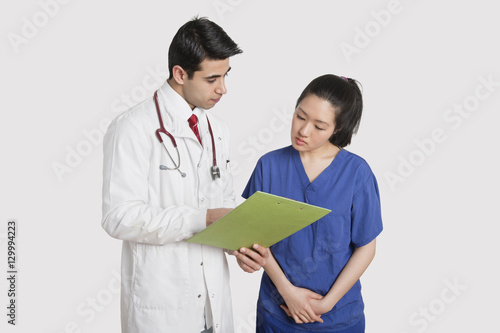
point(176, 111)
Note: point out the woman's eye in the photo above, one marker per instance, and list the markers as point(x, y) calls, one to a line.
point(321, 129)
point(300, 117)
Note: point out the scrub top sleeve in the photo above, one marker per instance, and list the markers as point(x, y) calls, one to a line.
point(366, 214)
point(255, 182)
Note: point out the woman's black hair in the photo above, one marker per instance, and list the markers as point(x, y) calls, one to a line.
point(345, 96)
point(197, 40)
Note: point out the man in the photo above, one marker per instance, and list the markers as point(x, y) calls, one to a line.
point(156, 195)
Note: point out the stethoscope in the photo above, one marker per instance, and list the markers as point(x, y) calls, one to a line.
point(214, 169)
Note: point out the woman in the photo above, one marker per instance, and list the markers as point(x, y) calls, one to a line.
point(311, 279)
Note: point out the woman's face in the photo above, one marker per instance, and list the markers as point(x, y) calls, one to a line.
point(313, 124)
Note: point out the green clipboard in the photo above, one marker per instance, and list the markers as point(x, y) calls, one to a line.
point(262, 219)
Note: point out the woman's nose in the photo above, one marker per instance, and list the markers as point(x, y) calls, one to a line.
point(305, 130)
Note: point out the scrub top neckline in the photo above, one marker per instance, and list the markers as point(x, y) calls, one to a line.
point(304, 179)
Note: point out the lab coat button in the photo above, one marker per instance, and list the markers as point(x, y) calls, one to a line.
point(199, 296)
point(213, 295)
point(202, 199)
point(201, 263)
point(216, 325)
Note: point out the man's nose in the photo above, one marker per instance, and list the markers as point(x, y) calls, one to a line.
point(221, 89)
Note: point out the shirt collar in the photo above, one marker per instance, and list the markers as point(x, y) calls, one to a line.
point(176, 105)
point(176, 111)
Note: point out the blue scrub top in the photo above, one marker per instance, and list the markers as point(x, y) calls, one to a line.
point(313, 257)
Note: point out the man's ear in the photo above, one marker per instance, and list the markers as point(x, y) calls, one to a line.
point(179, 74)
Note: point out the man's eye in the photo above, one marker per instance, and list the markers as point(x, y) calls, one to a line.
point(211, 81)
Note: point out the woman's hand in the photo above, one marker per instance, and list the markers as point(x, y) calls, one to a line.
point(298, 305)
point(320, 306)
point(251, 261)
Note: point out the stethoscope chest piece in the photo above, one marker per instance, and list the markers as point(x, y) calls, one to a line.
point(215, 172)
point(164, 167)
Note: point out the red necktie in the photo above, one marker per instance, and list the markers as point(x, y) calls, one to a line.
point(193, 123)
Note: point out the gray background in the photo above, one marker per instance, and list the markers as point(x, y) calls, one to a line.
point(428, 132)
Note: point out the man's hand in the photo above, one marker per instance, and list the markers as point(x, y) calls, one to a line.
point(251, 261)
point(215, 214)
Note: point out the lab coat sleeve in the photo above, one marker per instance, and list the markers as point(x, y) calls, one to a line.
point(126, 212)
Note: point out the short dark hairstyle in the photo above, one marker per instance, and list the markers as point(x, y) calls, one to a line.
point(345, 96)
point(197, 40)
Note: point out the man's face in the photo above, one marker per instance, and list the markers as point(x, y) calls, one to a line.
point(207, 85)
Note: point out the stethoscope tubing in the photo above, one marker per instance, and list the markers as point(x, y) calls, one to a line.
point(214, 169)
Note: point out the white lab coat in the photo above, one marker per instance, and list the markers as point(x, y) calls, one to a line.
point(166, 281)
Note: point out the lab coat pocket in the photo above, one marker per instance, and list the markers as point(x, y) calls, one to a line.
point(226, 165)
point(161, 276)
point(225, 168)
point(214, 189)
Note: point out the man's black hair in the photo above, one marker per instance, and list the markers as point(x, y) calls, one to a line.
point(197, 40)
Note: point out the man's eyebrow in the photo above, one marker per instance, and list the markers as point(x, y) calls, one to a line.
point(316, 120)
point(216, 75)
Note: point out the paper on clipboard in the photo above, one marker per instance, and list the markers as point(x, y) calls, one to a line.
point(262, 219)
